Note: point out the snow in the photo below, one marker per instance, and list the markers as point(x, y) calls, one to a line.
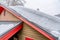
point(7, 26)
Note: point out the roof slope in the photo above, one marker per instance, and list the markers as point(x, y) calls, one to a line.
point(6, 27)
point(46, 22)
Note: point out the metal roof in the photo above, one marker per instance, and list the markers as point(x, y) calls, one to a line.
point(7, 26)
point(50, 24)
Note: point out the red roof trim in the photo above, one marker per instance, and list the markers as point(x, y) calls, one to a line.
point(1, 9)
point(12, 32)
point(30, 24)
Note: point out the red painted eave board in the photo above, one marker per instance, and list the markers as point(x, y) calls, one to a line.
point(1, 9)
point(11, 32)
point(30, 24)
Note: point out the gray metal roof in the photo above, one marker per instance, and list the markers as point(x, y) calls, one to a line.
point(7, 26)
point(48, 23)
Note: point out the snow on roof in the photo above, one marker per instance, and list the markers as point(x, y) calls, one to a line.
point(46, 22)
point(6, 27)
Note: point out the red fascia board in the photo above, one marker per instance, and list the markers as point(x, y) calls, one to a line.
point(12, 32)
point(1, 9)
point(30, 24)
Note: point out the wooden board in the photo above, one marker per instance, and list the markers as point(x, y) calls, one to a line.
point(8, 17)
point(28, 32)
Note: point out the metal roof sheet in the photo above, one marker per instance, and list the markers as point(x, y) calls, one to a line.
point(48, 23)
point(6, 27)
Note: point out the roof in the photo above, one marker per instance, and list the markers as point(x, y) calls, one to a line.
point(50, 24)
point(7, 26)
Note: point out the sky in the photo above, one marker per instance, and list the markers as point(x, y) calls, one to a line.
point(50, 7)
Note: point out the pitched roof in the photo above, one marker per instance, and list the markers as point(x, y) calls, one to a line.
point(46, 22)
point(37, 20)
point(7, 26)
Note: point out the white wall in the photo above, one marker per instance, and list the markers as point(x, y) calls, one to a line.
point(50, 7)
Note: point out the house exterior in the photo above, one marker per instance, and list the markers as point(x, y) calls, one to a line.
point(35, 25)
point(9, 24)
